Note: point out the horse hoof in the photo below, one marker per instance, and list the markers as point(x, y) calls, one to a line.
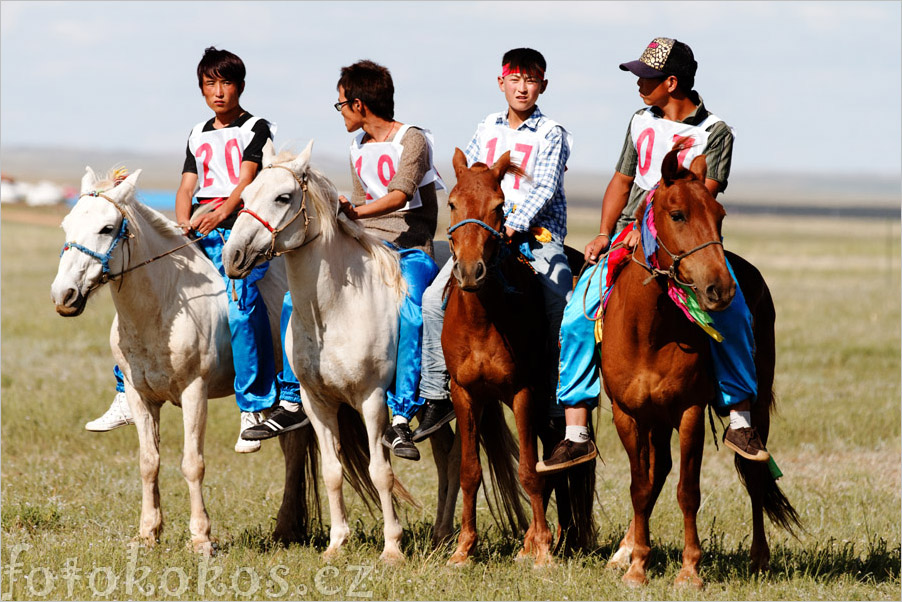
point(392, 557)
point(523, 556)
point(634, 579)
point(459, 560)
point(544, 561)
point(143, 541)
point(205, 548)
point(689, 579)
point(331, 554)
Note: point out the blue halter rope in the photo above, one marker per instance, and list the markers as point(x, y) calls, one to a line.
point(105, 258)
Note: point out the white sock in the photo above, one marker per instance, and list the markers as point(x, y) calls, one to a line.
point(289, 406)
point(739, 420)
point(577, 434)
point(396, 420)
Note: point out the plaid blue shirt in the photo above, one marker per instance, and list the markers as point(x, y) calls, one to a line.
point(546, 205)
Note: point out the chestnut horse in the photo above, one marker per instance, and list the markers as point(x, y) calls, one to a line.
point(656, 368)
point(495, 341)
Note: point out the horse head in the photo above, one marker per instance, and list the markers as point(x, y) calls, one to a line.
point(95, 230)
point(477, 217)
point(285, 207)
point(688, 221)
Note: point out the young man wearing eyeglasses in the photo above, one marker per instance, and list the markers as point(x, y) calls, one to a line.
point(394, 197)
point(666, 72)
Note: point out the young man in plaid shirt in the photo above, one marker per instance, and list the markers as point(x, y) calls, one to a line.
point(536, 210)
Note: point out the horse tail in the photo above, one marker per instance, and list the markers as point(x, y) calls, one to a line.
point(300, 511)
point(503, 455)
point(354, 455)
point(756, 477)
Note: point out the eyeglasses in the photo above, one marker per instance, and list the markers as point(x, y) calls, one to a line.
point(339, 105)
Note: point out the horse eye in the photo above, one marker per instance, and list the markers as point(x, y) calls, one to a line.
point(106, 230)
point(283, 198)
point(677, 216)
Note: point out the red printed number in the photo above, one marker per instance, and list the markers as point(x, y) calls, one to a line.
point(490, 146)
point(690, 142)
point(207, 151)
point(647, 136)
point(526, 150)
point(232, 152)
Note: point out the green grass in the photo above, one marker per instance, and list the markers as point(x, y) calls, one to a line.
point(70, 499)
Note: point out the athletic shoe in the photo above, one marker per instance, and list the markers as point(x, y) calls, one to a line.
point(280, 421)
point(568, 453)
point(437, 413)
point(746, 442)
point(397, 438)
point(118, 414)
point(248, 420)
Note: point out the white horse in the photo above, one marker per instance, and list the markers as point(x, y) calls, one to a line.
point(170, 337)
point(347, 290)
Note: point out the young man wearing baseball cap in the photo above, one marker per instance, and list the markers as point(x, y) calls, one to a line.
point(666, 72)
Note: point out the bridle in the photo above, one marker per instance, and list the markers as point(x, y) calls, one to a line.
point(274, 232)
point(122, 234)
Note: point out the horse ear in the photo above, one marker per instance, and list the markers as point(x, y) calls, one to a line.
point(88, 180)
point(669, 167)
point(300, 163)
point(459, 162)
point(699, 167)
point(501, 165)
point(126, 187)
point(269, 152)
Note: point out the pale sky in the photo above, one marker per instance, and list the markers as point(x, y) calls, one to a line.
point(808, 86)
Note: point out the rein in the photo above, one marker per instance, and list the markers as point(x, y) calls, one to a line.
point(302, 183)
point(122, 234)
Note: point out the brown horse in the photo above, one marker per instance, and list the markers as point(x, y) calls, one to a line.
point(656, 368)
point(495, 341)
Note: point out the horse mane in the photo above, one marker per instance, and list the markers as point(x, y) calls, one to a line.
point(324, 197)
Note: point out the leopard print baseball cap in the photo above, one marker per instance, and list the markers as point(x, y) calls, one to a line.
point(663, 57)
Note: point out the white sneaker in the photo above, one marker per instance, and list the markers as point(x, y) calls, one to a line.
point(249, 419)
point(117, 415)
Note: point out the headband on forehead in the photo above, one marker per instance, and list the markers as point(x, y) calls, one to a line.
point(507, 70)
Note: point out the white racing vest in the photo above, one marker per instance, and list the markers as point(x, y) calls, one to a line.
point(525, 147)
point(376, 163)
point(653, 137)
point(218, 155)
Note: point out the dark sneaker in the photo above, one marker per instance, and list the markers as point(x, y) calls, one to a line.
point(280, 421)
point(397, 438)
point(436, 414)
point(746, 443)
point(566, 454)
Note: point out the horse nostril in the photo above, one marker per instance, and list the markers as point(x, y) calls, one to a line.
point(712, 292)
point(455, 270)
point(480, 270)
point(70, 297)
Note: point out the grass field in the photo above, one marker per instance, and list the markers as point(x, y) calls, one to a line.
point(70, 499)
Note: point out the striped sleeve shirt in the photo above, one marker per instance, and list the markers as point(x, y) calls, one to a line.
point(546, 205)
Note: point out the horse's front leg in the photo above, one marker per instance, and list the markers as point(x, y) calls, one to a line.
point(194, 418)
point(538, 538)
point(692, 440)
point(375, 413)
point(635, 441)
point(147, 423)
point(446, 452)
point(470, 471)
point(324, 420)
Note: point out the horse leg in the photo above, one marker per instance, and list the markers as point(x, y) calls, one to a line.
point(692, 440)
point(470, 472)
point(194, 418)
point(446, 452)
point(147, 423)
point(635, 438)
point(375, 413)
point(324, 419)
point(538, 537)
